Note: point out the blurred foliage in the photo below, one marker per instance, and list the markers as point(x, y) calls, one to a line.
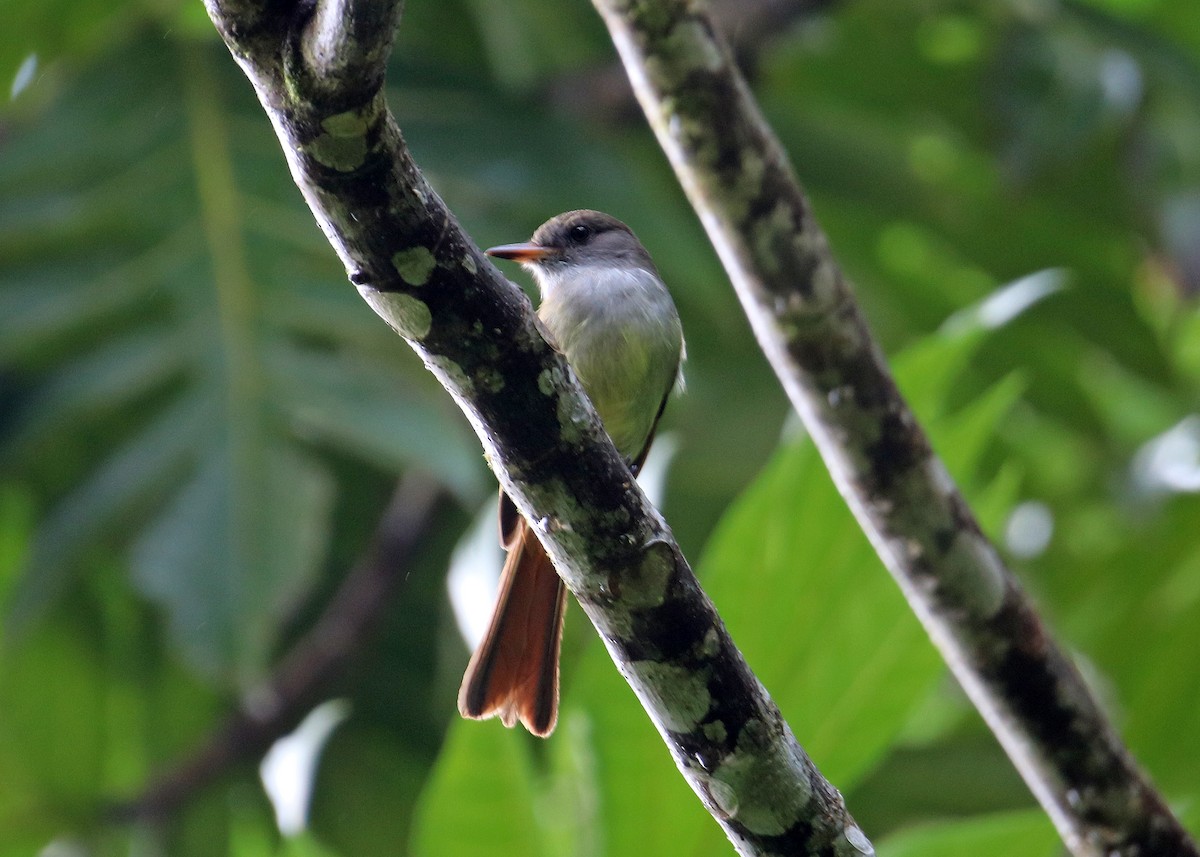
point(200, 420)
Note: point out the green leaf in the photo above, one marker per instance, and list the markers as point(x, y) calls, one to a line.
point(365, 787)
point(304, 845)
point(1016, 834)
point(112, 376)
point(55, 29)
point(569, 806)
point(480, 798)
point(223, 597)
point(47, 750)
point(350, 404)
point(125, 481)
point(16, 528)
point(962, 438)
point(633, 770)
point(1161, 610)
point(818, 618)
point(37, 320)
point(172, 408)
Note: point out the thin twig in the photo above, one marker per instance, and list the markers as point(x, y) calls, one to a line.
point(313, 664)
point(808, 322)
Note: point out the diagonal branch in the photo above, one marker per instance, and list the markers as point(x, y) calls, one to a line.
point(476, 332)
point(603, 94)
point(806, 319)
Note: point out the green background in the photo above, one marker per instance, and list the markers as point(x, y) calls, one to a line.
point(201, 422)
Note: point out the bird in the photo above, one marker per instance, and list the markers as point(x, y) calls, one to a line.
point(606, 309)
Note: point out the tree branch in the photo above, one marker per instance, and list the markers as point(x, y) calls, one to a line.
point(311, 666)
point(603, 94)
point(806, 319)
point(348, 42)
point(477, 333)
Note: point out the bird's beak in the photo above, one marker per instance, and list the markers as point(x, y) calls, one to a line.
point(520, 252)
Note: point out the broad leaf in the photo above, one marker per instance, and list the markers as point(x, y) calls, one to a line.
point(1016, 834)
point(176, 410)
point(480, 799)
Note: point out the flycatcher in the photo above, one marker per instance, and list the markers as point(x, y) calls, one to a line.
point(605, 308)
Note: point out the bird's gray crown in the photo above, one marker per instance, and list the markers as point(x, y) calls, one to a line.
point(588, 237)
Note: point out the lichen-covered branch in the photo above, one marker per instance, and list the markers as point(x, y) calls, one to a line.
point(808, 323)
point(476, 332)
point(602, 93)
point(346, 45)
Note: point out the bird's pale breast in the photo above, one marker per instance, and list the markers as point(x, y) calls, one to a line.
point(621, 334)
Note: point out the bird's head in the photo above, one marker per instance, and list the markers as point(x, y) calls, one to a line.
point(579, 238)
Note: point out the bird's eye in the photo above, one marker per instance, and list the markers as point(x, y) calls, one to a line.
point(579, 233)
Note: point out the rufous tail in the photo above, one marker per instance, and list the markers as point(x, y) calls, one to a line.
point(513, 674)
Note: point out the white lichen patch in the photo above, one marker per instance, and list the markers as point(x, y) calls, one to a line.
point(748, 185)
point(825, 281)
point(412, 317)
point(342, 145)
point(414, 265)
point(343, 155)
point(490, 381)
point(772, 236)
point(646, 584)
point(408, 316)
point(689, 49)
point(771, 791)
point(352, 123)
point(858, 841)
point(573, 418)
point(549, 381)
point(680, 696)
point(674, 126)
point(971, 571)
point(715, 731)
point(444, 367)
point(811, 243)
point(468, 263)
point(724, 797)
